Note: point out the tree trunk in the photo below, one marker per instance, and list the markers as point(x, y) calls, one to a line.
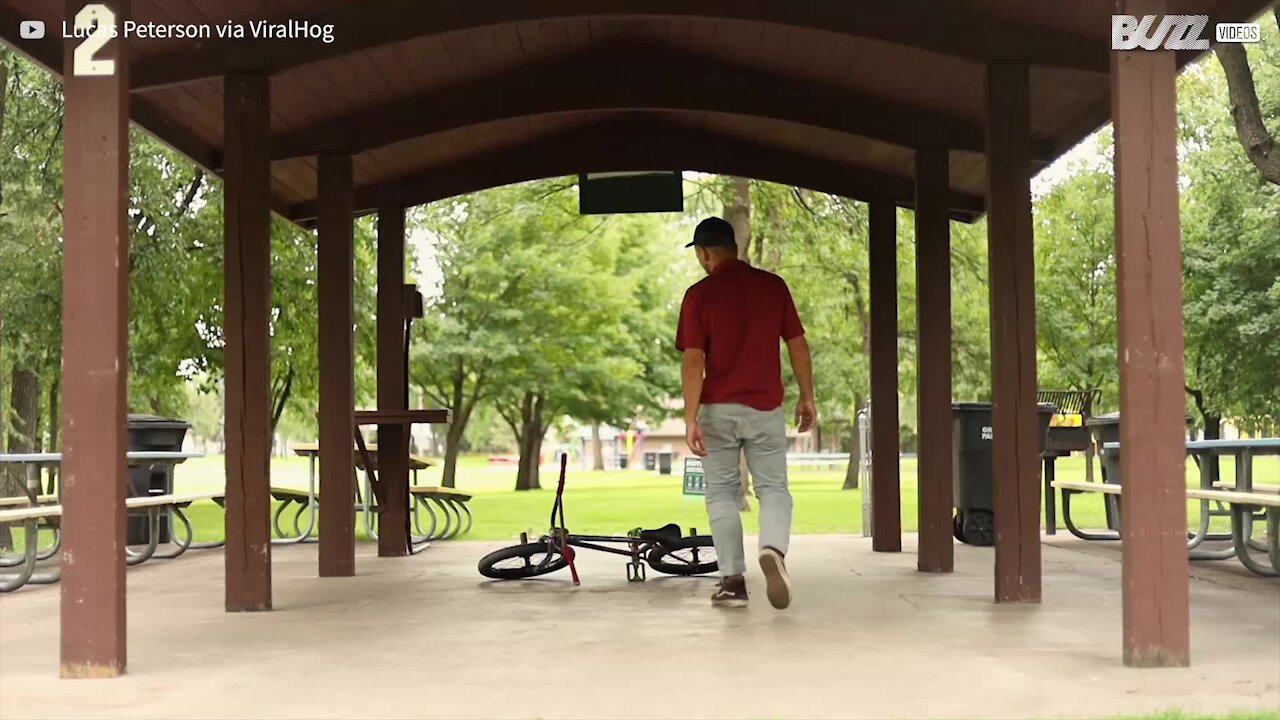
point(452, 446)
point(534, 481)
point(1212, 431)
point(737, 211)
point(281, 390)
point(4, 92)
point(461, 407)
point(1259, 146)
point(597, 447)
point(24, 404)
point(530, 441)
point(854, 467)
point(817, 436)
point(55, 424)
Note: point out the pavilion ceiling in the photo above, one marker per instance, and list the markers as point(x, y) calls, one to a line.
point(438, 97)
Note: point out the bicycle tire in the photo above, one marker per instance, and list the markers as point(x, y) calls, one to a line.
point(671, 559)
point(538, 558)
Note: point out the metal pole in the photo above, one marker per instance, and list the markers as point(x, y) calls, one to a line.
point(864, 442)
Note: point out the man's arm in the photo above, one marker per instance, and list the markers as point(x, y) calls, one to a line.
point(692, 368)
point(802, 367)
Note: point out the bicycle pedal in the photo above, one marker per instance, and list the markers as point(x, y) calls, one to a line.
point(635, 572)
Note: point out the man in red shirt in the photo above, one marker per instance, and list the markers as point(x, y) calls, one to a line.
point(730, 325)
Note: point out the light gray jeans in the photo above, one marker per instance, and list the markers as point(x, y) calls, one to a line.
point(730, 430)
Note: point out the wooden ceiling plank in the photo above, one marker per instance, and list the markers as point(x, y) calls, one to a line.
point(638, 146)
point(609, 79)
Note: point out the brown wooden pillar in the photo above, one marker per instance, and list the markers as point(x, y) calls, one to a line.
point(1149, 307)
point(337, 363)
point(393, 440)
point(95, 358)
point(933, 359)
point(246, 329)
point(1011, 259)
point(886, 486)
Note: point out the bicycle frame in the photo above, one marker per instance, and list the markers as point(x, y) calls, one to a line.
point(564, 541)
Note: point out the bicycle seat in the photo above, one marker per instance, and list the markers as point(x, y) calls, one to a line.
point(667, 534)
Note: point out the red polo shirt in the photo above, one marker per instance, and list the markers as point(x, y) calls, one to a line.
point(736, 315)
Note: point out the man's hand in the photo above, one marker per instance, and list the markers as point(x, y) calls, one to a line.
point(693, 438)
point(806, 414)
point(802, 365)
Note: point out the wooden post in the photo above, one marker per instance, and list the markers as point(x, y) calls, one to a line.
point(337, 364)
point(1010, 255)
point(393, 440)
point(887, 515)
point(95, 357)
point(933, 359)
point(246, 329)
point(1149, 308)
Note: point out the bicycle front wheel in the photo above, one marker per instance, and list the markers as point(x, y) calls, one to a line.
point(689, 556)
point(522, 561)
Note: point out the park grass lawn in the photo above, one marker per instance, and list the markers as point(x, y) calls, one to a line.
point(612, 502)
point(1182, 715)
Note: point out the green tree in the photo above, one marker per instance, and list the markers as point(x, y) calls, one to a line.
point(1076, 280)
point(1231, 250)
point(544, 313)
point(30, 255)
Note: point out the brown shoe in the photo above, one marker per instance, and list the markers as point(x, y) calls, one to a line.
point(777, 583)
point(730, 594)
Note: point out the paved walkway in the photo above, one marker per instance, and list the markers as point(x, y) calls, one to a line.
point(427, 637)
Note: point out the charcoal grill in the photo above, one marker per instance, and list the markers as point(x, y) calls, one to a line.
point(1067, 434)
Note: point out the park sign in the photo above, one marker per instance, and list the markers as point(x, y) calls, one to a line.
point(695, 479)
point(630, 192)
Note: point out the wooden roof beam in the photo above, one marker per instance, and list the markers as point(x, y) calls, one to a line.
point(639, 146)
point(609, 79)
point(931, 26)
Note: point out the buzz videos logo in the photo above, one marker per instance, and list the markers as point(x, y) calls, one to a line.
point(1175, 32)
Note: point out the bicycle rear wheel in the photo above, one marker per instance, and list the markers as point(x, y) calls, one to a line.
point(522, 561)
point(689, 556)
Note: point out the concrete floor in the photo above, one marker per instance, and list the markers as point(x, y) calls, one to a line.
point(428, 637)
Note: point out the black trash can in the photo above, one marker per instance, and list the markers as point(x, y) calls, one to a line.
point(1106, 429)
point(972, 469)
point(650, 461)
point(152, 433)
point(664, 463)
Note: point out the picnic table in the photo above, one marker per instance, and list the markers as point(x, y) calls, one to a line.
point(309, 501)
point(1238, 500)
point(370, 491)
point(36, 508)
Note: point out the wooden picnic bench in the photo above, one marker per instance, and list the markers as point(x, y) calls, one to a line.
point(151, 505)
point(452, 504)
point(446, 499)
point(1242, 506)
point(24, 501)
point(30, 517)
point(35, 509)
point(1257, 487)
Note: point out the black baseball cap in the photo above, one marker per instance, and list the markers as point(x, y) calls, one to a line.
point(713, 232)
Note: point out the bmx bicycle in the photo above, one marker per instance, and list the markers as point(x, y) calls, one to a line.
point(664, 549)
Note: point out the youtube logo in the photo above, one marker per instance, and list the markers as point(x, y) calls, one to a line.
point(31, 30)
